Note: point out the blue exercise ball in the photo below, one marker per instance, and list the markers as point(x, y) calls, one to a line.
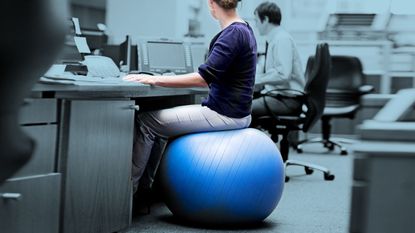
point(223, 177)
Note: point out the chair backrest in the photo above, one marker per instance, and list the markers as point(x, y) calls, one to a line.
point(345, 79)
point(346, 73)
point(317, 75)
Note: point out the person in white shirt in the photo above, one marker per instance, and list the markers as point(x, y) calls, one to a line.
point(281, 68)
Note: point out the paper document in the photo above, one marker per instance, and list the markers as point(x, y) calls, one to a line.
point(56, 69)
point(76, 26)
point(81, 44)
point(54, 81)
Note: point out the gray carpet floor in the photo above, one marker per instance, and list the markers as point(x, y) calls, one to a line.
point(309, 203)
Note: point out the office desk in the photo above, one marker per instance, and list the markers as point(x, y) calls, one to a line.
point(118, 91)
point(87, 155)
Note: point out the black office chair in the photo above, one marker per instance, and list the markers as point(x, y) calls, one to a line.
point(342, 99)
point(313, 97)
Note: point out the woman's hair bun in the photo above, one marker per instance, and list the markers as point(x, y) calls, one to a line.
point(227, 4)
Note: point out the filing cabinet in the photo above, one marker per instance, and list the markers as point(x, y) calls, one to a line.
point(96, 138)
point(30, 200)
point(43, 159)
point(30, 204)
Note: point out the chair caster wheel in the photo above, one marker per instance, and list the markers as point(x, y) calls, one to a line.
point(287, 178)
point(329, 146)
point(328, 176)
point(308, 170)
point(299, 150)
point(274, 138)
point(343, 152)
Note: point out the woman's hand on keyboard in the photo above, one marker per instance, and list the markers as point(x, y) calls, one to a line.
point(142, 78)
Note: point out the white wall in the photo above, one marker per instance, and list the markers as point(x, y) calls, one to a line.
point(141, 18)
point(166, 18)
point(169, 18)
point(405, 7)
point(209, 27)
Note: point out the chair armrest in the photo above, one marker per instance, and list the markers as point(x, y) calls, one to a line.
point(339, 91)
point(284, 93)
point(366, 89)
point(258, 87)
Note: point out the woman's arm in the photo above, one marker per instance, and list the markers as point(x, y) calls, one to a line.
point(185, 80)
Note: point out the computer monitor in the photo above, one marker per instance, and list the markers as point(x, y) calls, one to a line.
point(119, 54)
point(199, 53)
point(125, 54)
point(165, 56)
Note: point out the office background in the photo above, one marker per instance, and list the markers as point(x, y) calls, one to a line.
point(66, 119)
point(379, 33)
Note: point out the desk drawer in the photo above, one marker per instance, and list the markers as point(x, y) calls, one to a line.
point(37, 111)
point(30, 204)
point(43, 159)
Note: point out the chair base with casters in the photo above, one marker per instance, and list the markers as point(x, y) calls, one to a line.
point(282, 126)
point(309, 169)
point(326, 140)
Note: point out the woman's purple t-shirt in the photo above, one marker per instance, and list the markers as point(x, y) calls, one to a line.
point(230, 71)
